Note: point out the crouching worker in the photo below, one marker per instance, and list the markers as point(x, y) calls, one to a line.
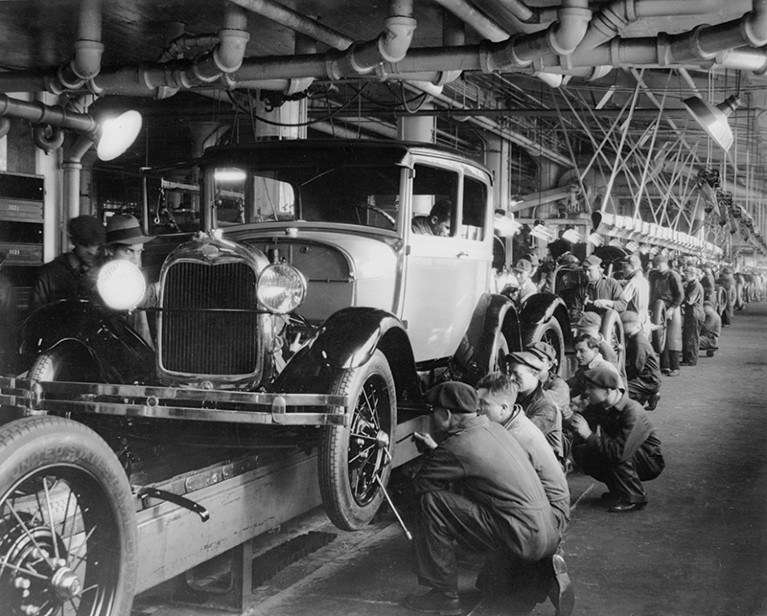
point(710, 330)
point(615, 442)
point(477, 489)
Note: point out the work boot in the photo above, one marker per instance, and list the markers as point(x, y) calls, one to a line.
point(435, 602)
point(709, 353)
point(560, 590)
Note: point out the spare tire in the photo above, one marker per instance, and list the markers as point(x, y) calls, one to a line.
point(612, 331)
point(658, 320)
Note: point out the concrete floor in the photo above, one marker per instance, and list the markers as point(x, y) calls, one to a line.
point(699, 548)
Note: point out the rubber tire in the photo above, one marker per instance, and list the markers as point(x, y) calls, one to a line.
point(550, 331)
point(658, 317)
point(612, 331)
point(334, 447)
point(721, 299)
point(65, 362)
point(498, 361)
point(57, 445)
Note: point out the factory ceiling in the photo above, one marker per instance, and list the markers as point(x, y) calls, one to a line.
point(587, 93)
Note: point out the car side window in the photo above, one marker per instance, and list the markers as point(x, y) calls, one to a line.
point(474, 209)
point(434, 201)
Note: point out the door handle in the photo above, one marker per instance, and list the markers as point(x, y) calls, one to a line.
point(462, 254)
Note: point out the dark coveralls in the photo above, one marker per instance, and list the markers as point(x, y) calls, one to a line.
point(692, 321)
point(66, 277)
point(642, 368)
point(668, 287)
point(541, 409)
point(622, 451)
point(479, 489)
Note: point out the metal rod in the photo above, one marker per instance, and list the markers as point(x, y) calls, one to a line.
point(393, 508)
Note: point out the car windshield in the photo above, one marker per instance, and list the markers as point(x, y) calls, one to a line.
point(356, 195)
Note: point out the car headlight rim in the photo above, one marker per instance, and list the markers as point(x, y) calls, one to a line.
point(281, 288)
point(121, 285)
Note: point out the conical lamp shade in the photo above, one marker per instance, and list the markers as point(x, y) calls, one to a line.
point(713, 119)
point(118, 134)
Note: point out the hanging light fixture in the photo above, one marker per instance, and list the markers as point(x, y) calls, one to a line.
point(115, 135)
point(540, 231)
point(713, 119)
point(571, 234)
point(595, 239)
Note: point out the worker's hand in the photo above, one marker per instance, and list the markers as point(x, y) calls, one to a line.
point(580, 425)
point(424, 442)
point(603, 303)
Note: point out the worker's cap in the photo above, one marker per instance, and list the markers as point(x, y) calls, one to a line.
point(633, 260)
point(589, 319)
point(526, 358)
point(591, 261)
point(603, 377)
point(534, 260)
point(523, 265)
point(568, 258)
point(455, 396)
point(125, 229)
point(629, 317)
point(86, 230)
point(543, 350)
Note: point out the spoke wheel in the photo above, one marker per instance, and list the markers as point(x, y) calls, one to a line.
point(354, 458)
point(67, 524)
point(612, 330)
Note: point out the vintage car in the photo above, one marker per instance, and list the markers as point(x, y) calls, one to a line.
point(307, 307)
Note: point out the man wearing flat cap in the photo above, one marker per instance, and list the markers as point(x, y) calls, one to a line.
point(523, 271)
point(615, 442)
point(636, 291)
point(601, 291)
point(72, 274)
point(477, 488)
point(589, 324)
point(553, 384)
point(642, 363)
point(525, 369)
point(666, 285)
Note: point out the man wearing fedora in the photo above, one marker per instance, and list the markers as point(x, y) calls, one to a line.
point(478, 489)
point(72, 274)
point(615, 441)
point(125, 241)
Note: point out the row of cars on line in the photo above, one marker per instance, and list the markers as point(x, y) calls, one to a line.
point(305, 308)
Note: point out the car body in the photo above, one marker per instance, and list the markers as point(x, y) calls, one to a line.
point(308, 298)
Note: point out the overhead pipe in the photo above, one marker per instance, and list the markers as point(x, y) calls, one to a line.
point(86, 63)
point(561, 37)
point(154, 79)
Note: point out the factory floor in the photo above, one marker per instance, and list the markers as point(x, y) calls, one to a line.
point(699, 548)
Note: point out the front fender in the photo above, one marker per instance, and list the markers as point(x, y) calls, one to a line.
point(541, 307)
point(118, 349)
point(348, 340)
point(493, 314)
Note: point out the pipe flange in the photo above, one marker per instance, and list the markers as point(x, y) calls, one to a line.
point(486, 60)
point(663, 54)
point(749, 31)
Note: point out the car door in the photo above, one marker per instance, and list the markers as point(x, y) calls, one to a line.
point(444, 276)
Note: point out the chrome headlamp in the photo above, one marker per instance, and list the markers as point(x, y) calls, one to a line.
point(121, 285)
point(281, 288)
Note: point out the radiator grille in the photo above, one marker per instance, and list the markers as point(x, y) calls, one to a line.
point(203, 328)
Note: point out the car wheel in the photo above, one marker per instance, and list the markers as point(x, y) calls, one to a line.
point(612, 331)
point(658, 320)
point(68, 535)
point(353, 459)
point(65, 363)
point(549, 331)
